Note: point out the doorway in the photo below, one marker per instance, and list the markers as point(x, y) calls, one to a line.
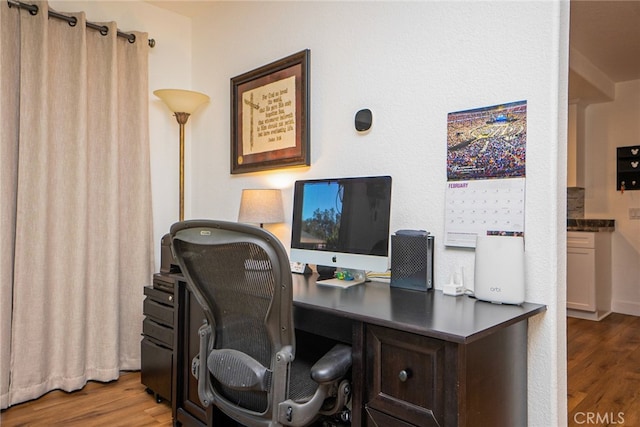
point(604, 56)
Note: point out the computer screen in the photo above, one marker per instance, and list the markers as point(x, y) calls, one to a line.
point(342, 222)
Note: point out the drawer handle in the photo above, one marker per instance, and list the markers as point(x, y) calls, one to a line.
point(170, 297)
point(404, 375)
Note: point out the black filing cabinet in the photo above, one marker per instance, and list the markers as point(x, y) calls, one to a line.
point(158, 337)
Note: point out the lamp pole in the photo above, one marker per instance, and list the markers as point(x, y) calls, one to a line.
point(182, 120)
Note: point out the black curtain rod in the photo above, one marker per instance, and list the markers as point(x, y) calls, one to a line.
point(72, 21)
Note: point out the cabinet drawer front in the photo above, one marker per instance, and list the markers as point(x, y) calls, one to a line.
point(163, 282)
point(156, 368)
point(377, 418)
point(406, 375)
point(580, 239)
point(159, 312)
point(159, 296)
point(158, 332)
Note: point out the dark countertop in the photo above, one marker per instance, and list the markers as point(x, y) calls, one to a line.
point(592, 225)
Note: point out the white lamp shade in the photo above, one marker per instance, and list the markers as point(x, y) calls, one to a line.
point(263, 206)
point(181, 101)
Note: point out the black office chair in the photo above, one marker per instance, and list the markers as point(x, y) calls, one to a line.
point(247, 365)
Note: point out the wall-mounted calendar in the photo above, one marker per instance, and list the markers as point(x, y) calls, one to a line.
point(486, 159)
point(490, 206)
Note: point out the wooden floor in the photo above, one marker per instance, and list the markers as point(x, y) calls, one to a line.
point(120, 403)
point(603, 364)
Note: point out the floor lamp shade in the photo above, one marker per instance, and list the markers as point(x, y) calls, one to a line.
point(183, 103)
point(262, 206)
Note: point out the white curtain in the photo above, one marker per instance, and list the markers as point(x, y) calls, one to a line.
point(76, 230)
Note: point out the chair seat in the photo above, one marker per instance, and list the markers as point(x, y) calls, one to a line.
point(301, 386)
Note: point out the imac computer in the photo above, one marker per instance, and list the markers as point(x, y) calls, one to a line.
point(342, 223)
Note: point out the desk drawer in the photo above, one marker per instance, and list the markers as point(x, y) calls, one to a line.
point(405, 376)
point(159, 312)
point(159, 295)
point(158, 332)
point(156, 371)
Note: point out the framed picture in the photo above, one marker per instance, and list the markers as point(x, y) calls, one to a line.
point(270, 116)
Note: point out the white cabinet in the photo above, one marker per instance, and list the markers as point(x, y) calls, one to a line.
point(588, 274)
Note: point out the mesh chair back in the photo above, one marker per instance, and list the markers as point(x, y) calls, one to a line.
point(236, 273)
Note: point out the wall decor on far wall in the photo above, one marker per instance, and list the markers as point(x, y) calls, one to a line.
point(270, 116)
point(628, 168)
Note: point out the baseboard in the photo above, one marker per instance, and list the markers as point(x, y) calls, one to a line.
point(588, 315)
point(623, 307)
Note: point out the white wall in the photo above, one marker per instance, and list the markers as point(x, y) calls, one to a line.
point(611, 125)
point(575, 144)
point(169, 67)
point(411, 64)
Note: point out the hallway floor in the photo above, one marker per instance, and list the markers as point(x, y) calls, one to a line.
point(603, 364)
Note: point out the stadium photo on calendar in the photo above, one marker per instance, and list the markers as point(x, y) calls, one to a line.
point(488, 142)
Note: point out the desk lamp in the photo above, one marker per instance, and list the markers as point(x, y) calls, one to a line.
point(183, 103)
point(262, 206)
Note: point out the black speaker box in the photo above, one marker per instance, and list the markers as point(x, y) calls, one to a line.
point(412, 261)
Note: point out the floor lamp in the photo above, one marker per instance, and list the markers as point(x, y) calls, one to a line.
point(183, 103)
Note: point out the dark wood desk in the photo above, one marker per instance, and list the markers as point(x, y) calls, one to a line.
point(419, 358)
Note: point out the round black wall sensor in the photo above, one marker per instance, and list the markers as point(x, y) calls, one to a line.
point(363, 120)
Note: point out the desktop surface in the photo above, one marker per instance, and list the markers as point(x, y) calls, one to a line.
point(457, 319)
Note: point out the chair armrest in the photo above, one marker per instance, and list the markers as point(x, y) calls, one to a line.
point(204, 385)
point(333, 365)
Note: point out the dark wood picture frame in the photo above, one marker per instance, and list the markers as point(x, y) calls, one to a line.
point(270, 116)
